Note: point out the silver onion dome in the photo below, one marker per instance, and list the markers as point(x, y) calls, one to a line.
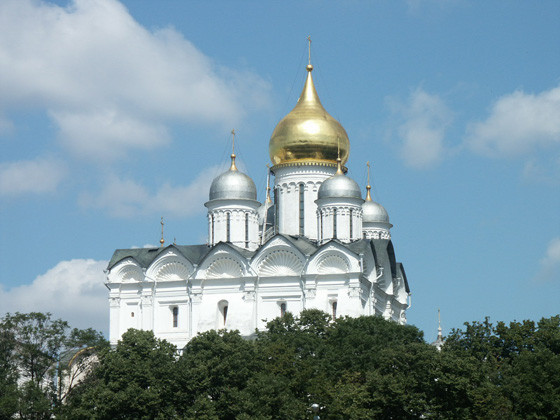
point(374, 213)
point(233, 185)
point(339, 186)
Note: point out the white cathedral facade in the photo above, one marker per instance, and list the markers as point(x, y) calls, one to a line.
point(315, 244)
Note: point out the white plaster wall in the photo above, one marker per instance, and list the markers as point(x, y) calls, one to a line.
point(286, 181)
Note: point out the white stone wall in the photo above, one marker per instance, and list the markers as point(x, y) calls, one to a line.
point(287, 181)
point(237, 210)
point(253, 289)
point(346, 211)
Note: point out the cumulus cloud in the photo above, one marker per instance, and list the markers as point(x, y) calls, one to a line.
point(550, 264)
point(39, 176)
point(108, 83)
point(518, 123)
point(72, 290)
point(127, 198)
point(421, 127)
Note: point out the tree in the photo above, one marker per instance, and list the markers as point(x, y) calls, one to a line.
point(32, 365)
point(215, 367)
point(135, 380)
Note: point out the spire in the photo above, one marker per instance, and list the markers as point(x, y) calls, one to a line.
point(368, 187)
point(161, 241)
point(309, 66)
point(338, 160)
point(438, 344)
point(233, 167)
point(268, 200)
point(439, 334)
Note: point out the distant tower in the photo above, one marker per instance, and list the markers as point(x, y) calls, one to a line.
point(438, 344)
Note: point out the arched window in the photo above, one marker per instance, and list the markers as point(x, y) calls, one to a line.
point(175, 316)
point(334, 224)
point(223, 306)
point(333, 308)
point(246, 230)
point(228, 226)
point(351, 227)
point(301, 208)
point(277, 212)
point(283, 307)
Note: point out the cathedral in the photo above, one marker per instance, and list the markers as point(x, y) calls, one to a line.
point(313, 243)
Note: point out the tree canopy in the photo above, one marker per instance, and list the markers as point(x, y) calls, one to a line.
point(353, 368)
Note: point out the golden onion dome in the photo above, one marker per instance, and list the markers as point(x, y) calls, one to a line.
point(308, 134)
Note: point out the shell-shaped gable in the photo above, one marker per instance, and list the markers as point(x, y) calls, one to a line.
point(126, 271)
point(170, 266)
point(224, 268)
point(278, 257)
point(281, 262)
point(222, 262)
point(333, 258)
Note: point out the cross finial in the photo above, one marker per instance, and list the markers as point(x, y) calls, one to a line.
point(368, 187)
point(233, 167)
point(439, 322)
point(161, 241)
point(309, 49)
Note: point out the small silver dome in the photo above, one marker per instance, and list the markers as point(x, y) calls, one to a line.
point(339, 186)
point(232, 185)
point(374, 213)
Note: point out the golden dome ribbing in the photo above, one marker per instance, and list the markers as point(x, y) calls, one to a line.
point(308, 134)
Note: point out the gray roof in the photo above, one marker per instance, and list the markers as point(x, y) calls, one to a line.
point(145, 256)
point(382, 250)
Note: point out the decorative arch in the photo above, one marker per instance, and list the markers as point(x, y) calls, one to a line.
point(278, 257)
point(170, 266)
point(280, 262)
point(223, 261)
point(332, 264)
point(333, 258)
point(224, 268)
point(127, 271)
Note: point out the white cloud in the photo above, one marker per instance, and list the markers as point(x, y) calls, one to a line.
point(108, 83)
point(518, 123)
point(422, 123)
point(127, 198)
point(72, 290)
point(550, 264)
point(39, 176)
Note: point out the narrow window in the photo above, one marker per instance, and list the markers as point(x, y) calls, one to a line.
point(301, 208)
point(246, 230)
point(334, 304)
point(223, 313)
point(283, 309)
point(228, 225)
point(277, 212)
point(334, 224)
point(175, 317)
point(132, 314)
point(351, 227)
point(212, 229)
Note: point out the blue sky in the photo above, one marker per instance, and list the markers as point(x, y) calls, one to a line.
point(115, 114)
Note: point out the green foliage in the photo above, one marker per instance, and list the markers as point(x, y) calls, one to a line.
point(136, 380)
point(354, 368)
point(34, 370)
